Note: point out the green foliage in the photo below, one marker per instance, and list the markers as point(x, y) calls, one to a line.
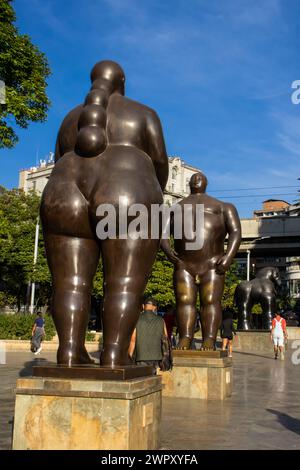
point(160, 284)
point(20, 326)
point(232, 279)
point(284, 299)
point(256, 309)
point(90, 336)
point(98, 282)
point(18, 215)
point(7, 300)
point(24, 69)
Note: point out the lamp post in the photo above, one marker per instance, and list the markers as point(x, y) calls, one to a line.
point(36, 245)
point(248, 265)
point(249, 253)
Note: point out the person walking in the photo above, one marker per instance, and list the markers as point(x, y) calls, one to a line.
point(146, 340)
point(38, 332)
point(227, 331)
point(278, 335)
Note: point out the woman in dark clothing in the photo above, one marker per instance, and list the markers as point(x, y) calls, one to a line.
point(227, 331)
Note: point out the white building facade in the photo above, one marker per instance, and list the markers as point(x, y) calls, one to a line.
point(35, 178)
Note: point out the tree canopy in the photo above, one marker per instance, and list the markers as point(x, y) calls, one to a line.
point(18, 216)
point(24, 70)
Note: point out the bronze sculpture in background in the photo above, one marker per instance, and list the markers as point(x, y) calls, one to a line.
point(110, 150)
point(203, 270)
point(260, 290)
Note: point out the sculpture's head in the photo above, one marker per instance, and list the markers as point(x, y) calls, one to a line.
point(198, 183)
point(109, 72)
point(270, 273)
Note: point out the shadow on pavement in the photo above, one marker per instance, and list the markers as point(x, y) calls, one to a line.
point(252, 354)
point(27, 366)
point(287, 421)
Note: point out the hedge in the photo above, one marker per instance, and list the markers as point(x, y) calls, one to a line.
point(19, 326)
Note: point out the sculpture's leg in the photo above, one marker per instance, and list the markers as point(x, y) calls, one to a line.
point(186, 297)
point(244, 305)
point(127, 265)
point(73, 262)
point(211, 291)
point(268, 305)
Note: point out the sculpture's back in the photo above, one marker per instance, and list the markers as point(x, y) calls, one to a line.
point(110, 164)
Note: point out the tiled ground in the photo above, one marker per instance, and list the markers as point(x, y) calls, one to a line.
point(263, 413)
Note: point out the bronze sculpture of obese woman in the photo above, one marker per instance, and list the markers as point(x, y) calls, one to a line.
point(109, 149)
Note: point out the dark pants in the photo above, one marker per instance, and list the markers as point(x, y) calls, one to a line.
point(37, 338)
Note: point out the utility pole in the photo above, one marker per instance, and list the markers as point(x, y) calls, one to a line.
point(36, 245)
point(249, 253)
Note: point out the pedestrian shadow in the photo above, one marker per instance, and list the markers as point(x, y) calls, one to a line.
point(252, 354)
point(26, 371)
point(287, 421)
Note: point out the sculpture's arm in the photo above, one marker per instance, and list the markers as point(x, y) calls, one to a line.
point(67, 134)
point(157, 149)
point(233, 226)
point(167, 231)
point(169, 252)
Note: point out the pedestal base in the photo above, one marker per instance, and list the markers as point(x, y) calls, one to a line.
point(199, 374)
point(94, 372)
point(68, 414)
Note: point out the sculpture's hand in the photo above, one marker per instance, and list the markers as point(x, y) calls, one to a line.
point(169, 252)
point(175, 259)
point(222, 265)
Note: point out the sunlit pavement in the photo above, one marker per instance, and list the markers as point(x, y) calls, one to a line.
point(263, 412)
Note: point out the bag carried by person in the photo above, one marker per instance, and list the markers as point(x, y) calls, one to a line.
point(167, 360)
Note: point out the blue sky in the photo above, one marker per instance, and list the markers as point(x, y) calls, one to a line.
point(218, 73)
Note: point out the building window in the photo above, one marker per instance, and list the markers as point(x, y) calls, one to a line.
point(173, 188)
point(174, 173)
point(34, 185)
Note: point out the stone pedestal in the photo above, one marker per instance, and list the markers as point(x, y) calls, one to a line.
point(199, 374)
point(70, 414)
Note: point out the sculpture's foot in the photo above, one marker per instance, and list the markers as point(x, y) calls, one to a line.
point(112, 355)
point(184, 343)
point(208, 344)
point(85, 358)
point(72, 358)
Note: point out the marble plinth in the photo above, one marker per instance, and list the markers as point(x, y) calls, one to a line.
point(68, 414)
point(199, 374)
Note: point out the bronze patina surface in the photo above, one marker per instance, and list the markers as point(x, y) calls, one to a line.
point(109, 150)
point(202, 271)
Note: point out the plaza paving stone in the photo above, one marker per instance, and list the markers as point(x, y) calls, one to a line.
point(263, 412)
